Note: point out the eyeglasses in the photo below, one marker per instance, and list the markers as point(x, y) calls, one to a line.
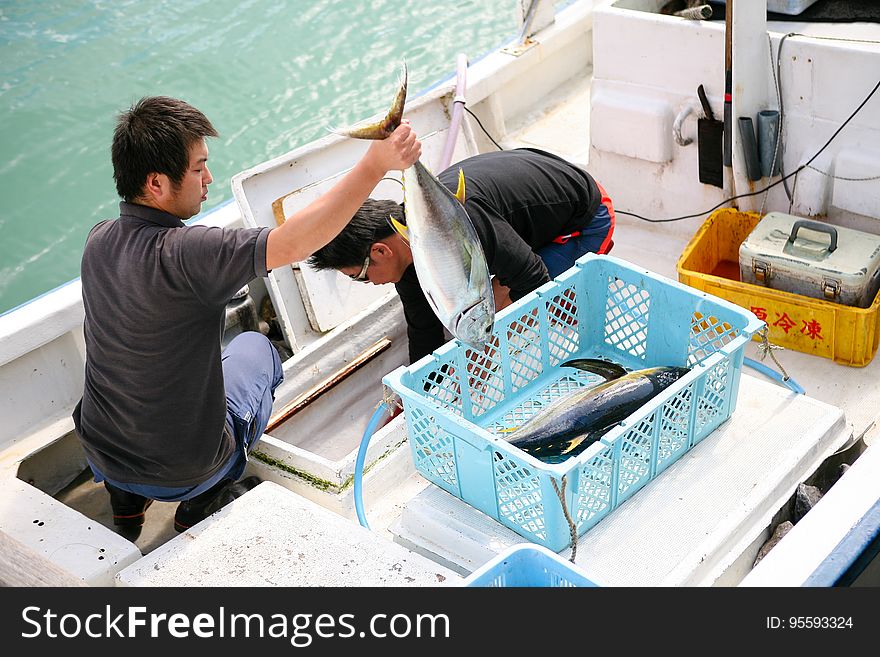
point(362, 276)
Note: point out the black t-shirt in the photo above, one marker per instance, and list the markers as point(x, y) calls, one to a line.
point(518, 201)
point(154, 292)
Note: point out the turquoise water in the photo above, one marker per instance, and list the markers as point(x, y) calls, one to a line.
point(270, 75)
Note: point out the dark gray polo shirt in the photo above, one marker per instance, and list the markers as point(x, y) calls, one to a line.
point(154, 290)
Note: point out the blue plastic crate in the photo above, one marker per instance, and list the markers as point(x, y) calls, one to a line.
point(528, 565)
point(603, 307)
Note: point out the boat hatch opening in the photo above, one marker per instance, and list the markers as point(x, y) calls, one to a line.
point(329, 418)
point(321, 413)
point(55, 466)
point(77, 503)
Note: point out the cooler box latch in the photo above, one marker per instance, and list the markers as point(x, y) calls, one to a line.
point(761, 271)
point(831, 289)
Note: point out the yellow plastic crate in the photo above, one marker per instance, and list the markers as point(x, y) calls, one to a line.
point(710, 262)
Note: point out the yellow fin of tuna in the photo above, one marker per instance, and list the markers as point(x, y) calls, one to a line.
point(573, 443)
point(459, 193)
point(399, 228)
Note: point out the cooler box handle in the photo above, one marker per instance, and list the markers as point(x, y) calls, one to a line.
point(814, 225)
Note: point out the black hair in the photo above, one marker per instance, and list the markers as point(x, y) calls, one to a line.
point(351, 246)
point(154, 136)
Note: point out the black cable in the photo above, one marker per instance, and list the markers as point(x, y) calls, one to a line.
point(770, 186)
point(778, 79)
point(484, 129)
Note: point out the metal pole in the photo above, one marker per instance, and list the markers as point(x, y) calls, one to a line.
point(728, 97)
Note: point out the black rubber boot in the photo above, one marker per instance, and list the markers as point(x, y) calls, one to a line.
point(192, 511)
point(128, 511)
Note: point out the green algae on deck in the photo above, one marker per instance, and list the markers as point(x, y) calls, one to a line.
point(317, 482)
point(322, 484)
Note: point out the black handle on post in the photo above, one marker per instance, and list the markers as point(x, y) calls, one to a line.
point(814, 225)
point(707, 108)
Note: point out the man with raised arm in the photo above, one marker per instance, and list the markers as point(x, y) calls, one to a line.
point(164, 414)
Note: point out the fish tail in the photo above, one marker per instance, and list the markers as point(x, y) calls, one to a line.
point(384, 127)
point(604, 368)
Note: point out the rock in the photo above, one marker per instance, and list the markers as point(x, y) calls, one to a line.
point(781, 530)
point(805, 498)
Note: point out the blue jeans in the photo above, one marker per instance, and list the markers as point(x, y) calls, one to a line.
point(560, 257)
point(251, 373)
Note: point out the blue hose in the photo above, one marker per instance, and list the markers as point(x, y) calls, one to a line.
point(359, 463)
point(773, 374)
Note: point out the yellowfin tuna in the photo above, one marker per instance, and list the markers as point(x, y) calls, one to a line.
point(574, 422)
point(449, 259)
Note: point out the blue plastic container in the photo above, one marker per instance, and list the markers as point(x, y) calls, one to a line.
point(528, 565)
point(457, 404)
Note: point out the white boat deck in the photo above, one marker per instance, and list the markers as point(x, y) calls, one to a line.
point(308, 545)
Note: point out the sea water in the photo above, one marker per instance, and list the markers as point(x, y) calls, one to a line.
point(270, 76)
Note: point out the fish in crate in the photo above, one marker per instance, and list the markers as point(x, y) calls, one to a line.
point(571, 423)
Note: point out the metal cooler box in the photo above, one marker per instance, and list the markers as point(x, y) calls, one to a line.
point(812, 259)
